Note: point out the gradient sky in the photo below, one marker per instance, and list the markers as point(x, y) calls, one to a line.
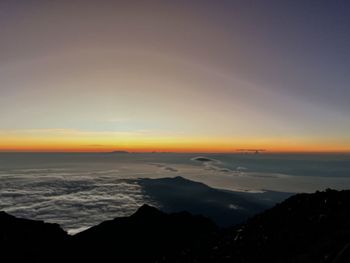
point(174, 75)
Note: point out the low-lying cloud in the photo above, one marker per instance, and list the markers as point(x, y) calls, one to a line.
point(74, 202)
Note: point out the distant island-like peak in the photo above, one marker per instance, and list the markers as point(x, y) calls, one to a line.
point(117, 152)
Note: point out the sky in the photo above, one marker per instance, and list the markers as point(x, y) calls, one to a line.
point(208, 76)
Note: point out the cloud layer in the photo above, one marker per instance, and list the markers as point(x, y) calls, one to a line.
point(75, 202)
point(81, 190)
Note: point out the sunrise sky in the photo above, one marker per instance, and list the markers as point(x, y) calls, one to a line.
point(209, 76)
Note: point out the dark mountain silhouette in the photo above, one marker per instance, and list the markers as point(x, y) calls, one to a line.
point(203, 159)
point(304, 228)
point(149, 235)
point(225, 208)
point(23, 240)
point(118, 152)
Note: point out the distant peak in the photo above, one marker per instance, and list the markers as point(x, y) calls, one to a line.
point(119, 152)
point(147, 211)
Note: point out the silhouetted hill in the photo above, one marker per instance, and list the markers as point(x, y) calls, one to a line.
point(304, 228)
point(119, 152)
point(149, 235)
point(225, 208)
point(23, 240)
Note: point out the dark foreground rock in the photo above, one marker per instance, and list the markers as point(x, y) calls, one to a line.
point(23, 240)
point(149, 235)
point(304, 228)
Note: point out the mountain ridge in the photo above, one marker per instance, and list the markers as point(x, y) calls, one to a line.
point(304, 228)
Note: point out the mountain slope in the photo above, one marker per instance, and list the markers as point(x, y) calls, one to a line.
point(149, 235)
point(225, 208)
point(23, 240)
point(303, 228)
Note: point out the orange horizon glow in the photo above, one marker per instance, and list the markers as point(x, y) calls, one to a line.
point(62, 140)
point(170, 147)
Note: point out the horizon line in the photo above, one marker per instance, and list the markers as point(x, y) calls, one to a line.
point(180, 152)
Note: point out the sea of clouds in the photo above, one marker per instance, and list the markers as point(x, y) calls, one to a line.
point(78, 194)
point(75, 202)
